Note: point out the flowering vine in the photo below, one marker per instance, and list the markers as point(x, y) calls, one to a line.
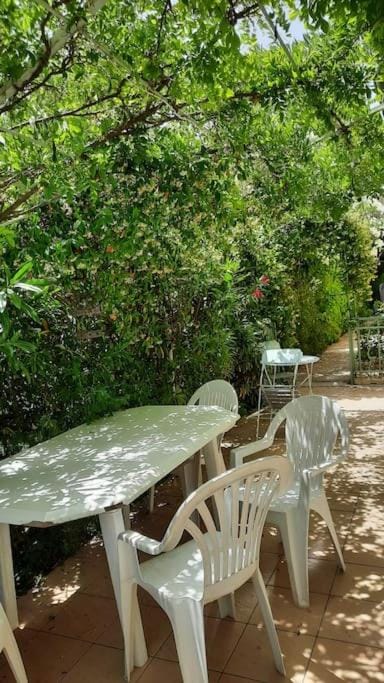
point(258, 292)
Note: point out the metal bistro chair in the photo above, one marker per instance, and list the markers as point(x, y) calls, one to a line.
point(219, 393)
point(222, 555)
point(278, 377)
point(312, 426)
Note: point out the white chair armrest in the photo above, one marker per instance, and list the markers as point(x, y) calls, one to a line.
point(319, 469)
point(140, 542)
point(238, 454)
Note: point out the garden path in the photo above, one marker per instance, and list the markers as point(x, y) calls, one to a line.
point(70, 631)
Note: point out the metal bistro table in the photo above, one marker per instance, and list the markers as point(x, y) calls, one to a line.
point(279, 377)
point(96, 469)
point(282, 359)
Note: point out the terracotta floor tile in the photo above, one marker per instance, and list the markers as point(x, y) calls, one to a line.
point(360, 582)
point(268, 564)
point(228, 678)
point(271, 541)
point(46, 657)
point(371, 497)
point(321, 575)
point(87, 571)
point(161, 671)
point(354, 621)
point(339, 481)
point(252, 657)
point(112, 636)
point(157, 629)
point(288, 617)
point(369, 514)
point(101, 665)
point(82, 616)
point(246, 601)
point(221, 637)
point(365, 542)
point(333, 662)
point(145, 598)
point(363, 473)
point(342, 499)
point(320, 542)
point(94, 572)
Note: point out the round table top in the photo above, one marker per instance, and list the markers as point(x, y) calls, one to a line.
point(284, 361)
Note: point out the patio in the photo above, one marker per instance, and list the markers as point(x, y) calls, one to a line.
point(70, 630)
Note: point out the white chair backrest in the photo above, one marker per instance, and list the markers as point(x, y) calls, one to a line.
point(312, 425)
point(230, 533)
point(269, 344)
point(219, 393)
point(281, 356)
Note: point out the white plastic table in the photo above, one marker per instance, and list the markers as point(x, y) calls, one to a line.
point(95, 469)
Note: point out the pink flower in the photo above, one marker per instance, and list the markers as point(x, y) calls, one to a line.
point(264, 280)
point(257, 293)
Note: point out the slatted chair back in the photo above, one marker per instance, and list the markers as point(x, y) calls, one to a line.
point(231, 512)
point(219, 393)
point(312, 426)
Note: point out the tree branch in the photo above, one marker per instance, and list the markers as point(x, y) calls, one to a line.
point(10, 211)
point(9, 91)
point(72, 112)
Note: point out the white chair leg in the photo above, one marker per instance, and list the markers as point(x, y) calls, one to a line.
point(126, 597)
point(188, 628)
point(227, 606)
point(7, 579)
point(266, 612)
point(293, 527)
point(151, 500)
point(11, 649)
point(320, 505)
point(126, 509)
point(135, 651)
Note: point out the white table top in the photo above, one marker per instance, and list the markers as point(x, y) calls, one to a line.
point(309, 360)
point(304, 360)
point(108, 462)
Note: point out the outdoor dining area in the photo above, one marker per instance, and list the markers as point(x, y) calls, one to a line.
point(200, 563)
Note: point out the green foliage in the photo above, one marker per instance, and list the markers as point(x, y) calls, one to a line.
point(322, 308)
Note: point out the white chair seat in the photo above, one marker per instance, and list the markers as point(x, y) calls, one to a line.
point(179, 573)
point(288, 499)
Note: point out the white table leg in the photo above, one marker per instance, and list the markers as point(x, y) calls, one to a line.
point(309, 373)
point(7, 579)
point(112, 524)
point(214, 463)
point(188, 473)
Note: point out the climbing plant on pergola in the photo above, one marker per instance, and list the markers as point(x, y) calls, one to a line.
point(79, 76)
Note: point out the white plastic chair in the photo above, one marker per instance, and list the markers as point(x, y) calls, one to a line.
point(312, 425)
point(222, 556)
point(278, 376)
point(269, 344)
point(9, 646)
point(219, 393)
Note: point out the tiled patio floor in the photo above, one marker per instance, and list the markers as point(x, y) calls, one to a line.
point(70, 630)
